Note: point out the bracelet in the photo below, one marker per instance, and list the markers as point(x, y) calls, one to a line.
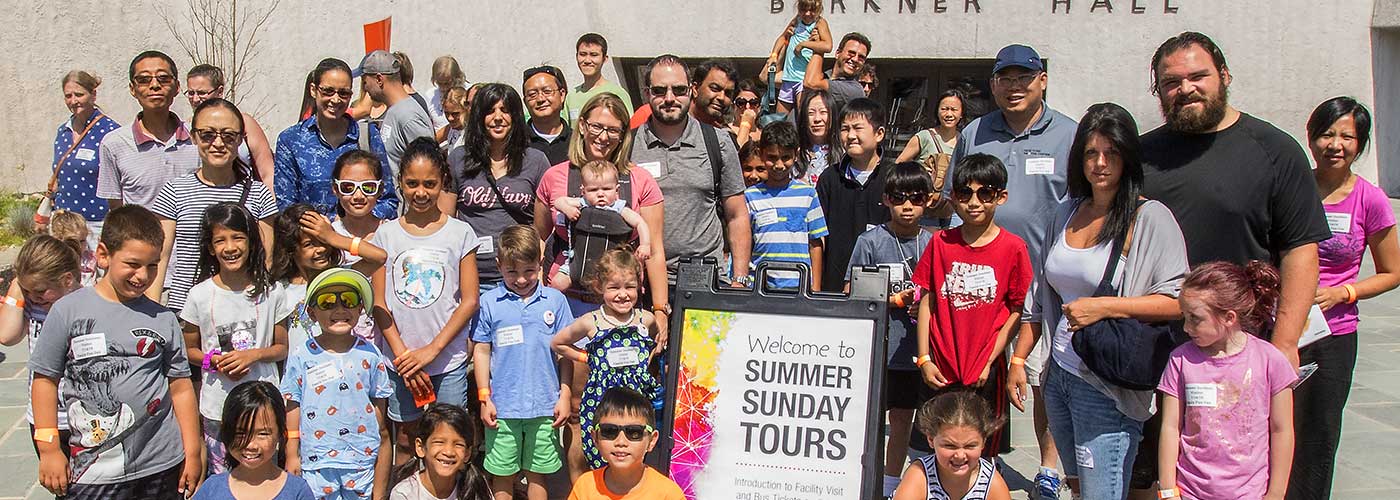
point(46, 435)
point(208, 357)
point(898, 300)
point(355, 246)
point(1168, 493)
point(293, 434)
point(1017, 360)
point(11, 301)
point(483, 395)
point(1351, 293)
point(919, 361)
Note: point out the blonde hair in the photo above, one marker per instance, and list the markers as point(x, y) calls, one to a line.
point(47, 258)
point(613, 105)
point(599, 169)
point(615, 261)
point(519, 244)
point(456, 95)
point(83, 79)
point(70, 228)
point(446, 72)
point(810, 4)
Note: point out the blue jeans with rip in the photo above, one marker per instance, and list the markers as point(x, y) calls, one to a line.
point(1097, 443)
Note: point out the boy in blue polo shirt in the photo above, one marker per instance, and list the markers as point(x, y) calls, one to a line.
point(787, 220)
point(514, 328)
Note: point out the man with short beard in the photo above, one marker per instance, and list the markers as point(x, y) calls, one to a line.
point(675, 148)
point(714, 92)
point(1240, 188)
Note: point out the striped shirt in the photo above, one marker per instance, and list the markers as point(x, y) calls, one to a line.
point(132, 165)
point(784, 221)
point(184, 200)
point(980, 486)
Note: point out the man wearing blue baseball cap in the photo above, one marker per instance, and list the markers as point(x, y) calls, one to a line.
point(1033, 142)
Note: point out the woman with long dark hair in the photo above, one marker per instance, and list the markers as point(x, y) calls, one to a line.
point(1086, 413)
point(814, 134)
point(494, 173)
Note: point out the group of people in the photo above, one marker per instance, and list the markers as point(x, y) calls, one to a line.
point(446, 296)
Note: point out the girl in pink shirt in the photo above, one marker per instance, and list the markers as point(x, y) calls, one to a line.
point(1227, 396)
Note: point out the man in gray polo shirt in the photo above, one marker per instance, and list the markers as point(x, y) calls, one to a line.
point(674, 148)
point(406, 119)
point(134, 162)
point(1033, 141)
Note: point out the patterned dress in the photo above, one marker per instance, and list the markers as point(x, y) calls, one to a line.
point(627, 346)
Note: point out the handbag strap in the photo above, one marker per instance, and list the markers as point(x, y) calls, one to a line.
point(770, 96)
point(97, 115)
point(1105, 288)
point(513, 212)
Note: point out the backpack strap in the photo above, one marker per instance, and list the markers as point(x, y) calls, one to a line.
point(716, 160)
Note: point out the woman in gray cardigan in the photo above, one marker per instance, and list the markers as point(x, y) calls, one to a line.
point(1098, 425)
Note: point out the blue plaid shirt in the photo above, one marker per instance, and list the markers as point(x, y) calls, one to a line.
point(304, 161)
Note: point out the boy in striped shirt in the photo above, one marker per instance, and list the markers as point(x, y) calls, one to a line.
point(787, 220)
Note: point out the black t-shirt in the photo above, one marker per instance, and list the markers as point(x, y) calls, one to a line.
point(850, 209)
point(557, 151)
point(1244, 193)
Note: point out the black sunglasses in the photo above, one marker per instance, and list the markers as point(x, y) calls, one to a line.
point(900, 198)
point(678, 90)
point(985, 194)
point(634, 432)
point(747, 103)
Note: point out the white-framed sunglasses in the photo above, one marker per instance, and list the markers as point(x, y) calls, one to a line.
point(347, 188)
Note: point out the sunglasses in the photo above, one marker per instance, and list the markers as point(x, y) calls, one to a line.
point(985, 194)
point(747, 103)
point(660, 90)
point(900, 198)
point(329, 300)
point(162, 79)
point(207, 136)
point(328, 91)
point(634, 432)
point(347, 188)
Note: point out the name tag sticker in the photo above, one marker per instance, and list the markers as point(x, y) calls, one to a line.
point(622, 357)
point(1203, 395)
point(1040, 166)
point(1339, 223)
point(766, 217)
point(896, 272)
point(485, 245)
point(977, 280)
point(1083, 457)
point(652, 167)
point(89, 346)
point(322, 373)
point(85, 154)
point(509, 336)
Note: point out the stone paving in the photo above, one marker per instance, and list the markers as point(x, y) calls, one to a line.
point(1370, 434)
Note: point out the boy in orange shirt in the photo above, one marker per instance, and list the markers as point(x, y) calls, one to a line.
point(624, 436)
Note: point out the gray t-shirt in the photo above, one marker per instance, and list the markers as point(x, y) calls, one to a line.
point(115, 361)
point(879, 247)
point(842, 91)
point(403, 122)
point(479, 206)
point(422, 286)
point(687, 180)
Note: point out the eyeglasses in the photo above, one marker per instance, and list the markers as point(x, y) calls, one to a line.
point(328, 91)
point(1017, 81)
point(200, 93)
point(330, 300)
point(634, 432)
point(348, 188)
point(547, 92)
point(207, 136)
point(163, 79)
point(660, 90)
point(747, 103)
point(900, 198)
point(596, 129)
point(985, 194)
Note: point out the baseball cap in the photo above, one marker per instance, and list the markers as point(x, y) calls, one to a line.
point(344, 277)
point(1019, 56)
point(379, 62)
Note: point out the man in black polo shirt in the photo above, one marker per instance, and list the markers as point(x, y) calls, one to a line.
point(544, 92)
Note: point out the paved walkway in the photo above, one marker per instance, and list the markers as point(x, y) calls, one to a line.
point(1365, 464)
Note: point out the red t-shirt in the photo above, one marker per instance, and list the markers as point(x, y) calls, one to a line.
point(975, 290)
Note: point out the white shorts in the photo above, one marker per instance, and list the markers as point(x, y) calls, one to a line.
point(788, 91)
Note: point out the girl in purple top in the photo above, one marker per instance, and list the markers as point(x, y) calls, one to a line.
point(1359, 215)
point(1227, 397)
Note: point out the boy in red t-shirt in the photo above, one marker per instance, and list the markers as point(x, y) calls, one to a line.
point(977, 276)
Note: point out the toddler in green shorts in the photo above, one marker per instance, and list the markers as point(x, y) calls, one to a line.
point(512, 356)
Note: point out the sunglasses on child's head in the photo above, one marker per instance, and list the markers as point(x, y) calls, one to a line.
point(347, 188)
point(986, 194)
point(917, 197)
point(329, 300)
point(634, 432)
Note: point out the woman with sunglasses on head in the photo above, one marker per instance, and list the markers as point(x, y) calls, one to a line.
point(222, 177)
point(1088, 415)
point(74, 182)
point(494, 174)
point(205, 82)
point(307, 151)
point(744, 119)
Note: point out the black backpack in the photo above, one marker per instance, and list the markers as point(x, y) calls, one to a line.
point(597, 230)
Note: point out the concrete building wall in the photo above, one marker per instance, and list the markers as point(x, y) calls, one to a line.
point(1286, 55)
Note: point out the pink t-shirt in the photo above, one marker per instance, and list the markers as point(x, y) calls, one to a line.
point(1225, 419)
point(1364, 212)
point(554, 185)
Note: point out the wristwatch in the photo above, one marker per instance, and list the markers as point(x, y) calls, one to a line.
point(745, 280)
point(661, 308)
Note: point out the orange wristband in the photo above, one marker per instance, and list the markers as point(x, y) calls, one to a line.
point(355, 246)
point(293, 434)
point(1351, 293)
point(18, 303)
point(919, 361)
point(47, 435)
point(483, 395)
point(1016, 360)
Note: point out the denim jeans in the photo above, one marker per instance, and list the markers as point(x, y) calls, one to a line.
point(1097, 442)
